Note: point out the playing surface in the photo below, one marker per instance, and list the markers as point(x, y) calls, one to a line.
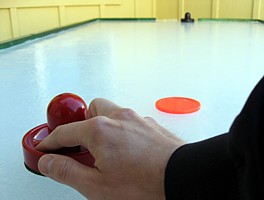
point(134, 64)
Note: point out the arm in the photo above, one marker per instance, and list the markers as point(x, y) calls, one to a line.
point(202, 170)
point(229, 166)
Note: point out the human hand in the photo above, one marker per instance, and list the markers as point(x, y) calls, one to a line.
point(131, 154)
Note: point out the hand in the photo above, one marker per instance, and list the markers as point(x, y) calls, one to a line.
point(131, 154)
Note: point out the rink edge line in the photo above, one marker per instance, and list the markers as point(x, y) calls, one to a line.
point(21, 40)
point(17, 41)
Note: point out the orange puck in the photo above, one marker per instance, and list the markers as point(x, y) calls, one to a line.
point(178, 105)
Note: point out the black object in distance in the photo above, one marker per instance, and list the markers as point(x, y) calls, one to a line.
point(187, 18)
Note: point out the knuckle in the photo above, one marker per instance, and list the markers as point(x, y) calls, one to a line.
point(100, 122)
point(98, 129)
point(125, 113)
point(97, 99)
point(100, 125)
point(94, 101)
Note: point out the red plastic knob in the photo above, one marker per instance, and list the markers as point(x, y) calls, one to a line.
point(65, 108)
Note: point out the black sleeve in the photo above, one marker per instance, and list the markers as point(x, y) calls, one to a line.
point(200, 171)
point(229, 166)
point(246, 145)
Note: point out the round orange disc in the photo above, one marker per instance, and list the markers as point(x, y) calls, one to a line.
point(178, 105)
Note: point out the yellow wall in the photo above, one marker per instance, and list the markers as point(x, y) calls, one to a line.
point(145, 8)
point(262, 13)
point(167, 9)
point(5, 24)
point(262, 10)
point(201, 8)
point(36, 20)
point(127, 11)
point(19, 18)
point(235, 9)
point(75, 14)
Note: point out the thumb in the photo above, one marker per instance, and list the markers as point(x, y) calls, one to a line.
point(65, 170)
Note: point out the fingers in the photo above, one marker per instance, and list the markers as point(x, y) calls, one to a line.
point(63, 136)
point(89, 133)
point(67, 171)
point(82, 133)
point(101, 107)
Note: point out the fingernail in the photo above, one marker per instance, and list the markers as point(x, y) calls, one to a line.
point(45, 163)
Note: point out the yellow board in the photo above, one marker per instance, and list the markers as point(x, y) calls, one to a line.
point(5, 25)
point(167, 9)
point(75, 14)
point(126, 10)
point(36, 20)
point(198, 9)
point(232, 9)
point(19, 18)
point(262, 10)
point(144, 9)
point(239, 9)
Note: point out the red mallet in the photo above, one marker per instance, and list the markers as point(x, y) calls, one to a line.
point(64, 108)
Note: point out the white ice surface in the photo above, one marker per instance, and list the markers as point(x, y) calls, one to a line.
point(133, 64)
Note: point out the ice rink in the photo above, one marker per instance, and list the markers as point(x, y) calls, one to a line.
point(133, 63)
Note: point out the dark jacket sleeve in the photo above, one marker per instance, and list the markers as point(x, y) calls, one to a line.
point(229, 166)
point(201, 171)
point(247, 145)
